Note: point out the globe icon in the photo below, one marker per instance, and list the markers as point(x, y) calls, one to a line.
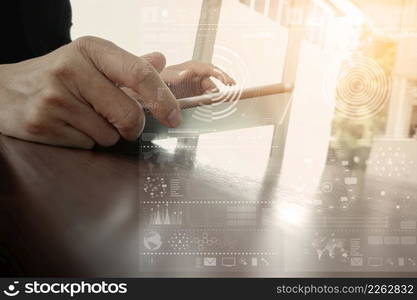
point(152, 241)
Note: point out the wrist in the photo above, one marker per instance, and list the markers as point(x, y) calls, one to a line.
point(4, 76)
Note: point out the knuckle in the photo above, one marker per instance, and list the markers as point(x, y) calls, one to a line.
point(35, 123)
point(159, 55)
point(140, 70)
point(35, 128)
point(160, 58)
point(51, 97)
point(84, 41)
point(88, 43)
point(62, 69)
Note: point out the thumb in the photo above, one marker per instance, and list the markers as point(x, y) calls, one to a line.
point(156, 59)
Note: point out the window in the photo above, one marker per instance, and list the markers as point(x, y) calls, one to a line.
point(249, 42)
point(141, 26)
point(256, 42)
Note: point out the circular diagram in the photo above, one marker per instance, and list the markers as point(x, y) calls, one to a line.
point(224, 103)
point(362, 88)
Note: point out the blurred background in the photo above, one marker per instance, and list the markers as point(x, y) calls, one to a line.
point(342, 145)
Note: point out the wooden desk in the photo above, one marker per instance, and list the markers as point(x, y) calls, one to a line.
point(73, 212)
point(67, 212)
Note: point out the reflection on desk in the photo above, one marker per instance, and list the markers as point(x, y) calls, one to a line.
point(212, 208)
point(228, 214)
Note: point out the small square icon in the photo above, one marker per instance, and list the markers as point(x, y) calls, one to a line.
point(351, 180)
point(209, 261)
point(356, 261)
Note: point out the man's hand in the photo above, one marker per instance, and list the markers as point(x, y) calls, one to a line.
point(72, 96)
point(192, 78)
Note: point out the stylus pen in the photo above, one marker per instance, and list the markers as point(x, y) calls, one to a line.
point(235, 95)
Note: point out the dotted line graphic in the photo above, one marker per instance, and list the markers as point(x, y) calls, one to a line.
point(208, 202)
point(216, 229)
point(210, 253)
point(370, 230)
point(160, 147)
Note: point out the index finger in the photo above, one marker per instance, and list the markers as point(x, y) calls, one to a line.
point(203, 69)
point(137, 73)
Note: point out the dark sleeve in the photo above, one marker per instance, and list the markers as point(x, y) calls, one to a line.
point(46, 24)
point(31, 28)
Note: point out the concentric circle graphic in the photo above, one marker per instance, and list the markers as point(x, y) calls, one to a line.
point(230, 62)
point(362, 88)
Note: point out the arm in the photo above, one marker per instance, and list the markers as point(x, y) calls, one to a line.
point(72, 96)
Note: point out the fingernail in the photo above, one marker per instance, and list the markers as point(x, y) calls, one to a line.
point(175, 118)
